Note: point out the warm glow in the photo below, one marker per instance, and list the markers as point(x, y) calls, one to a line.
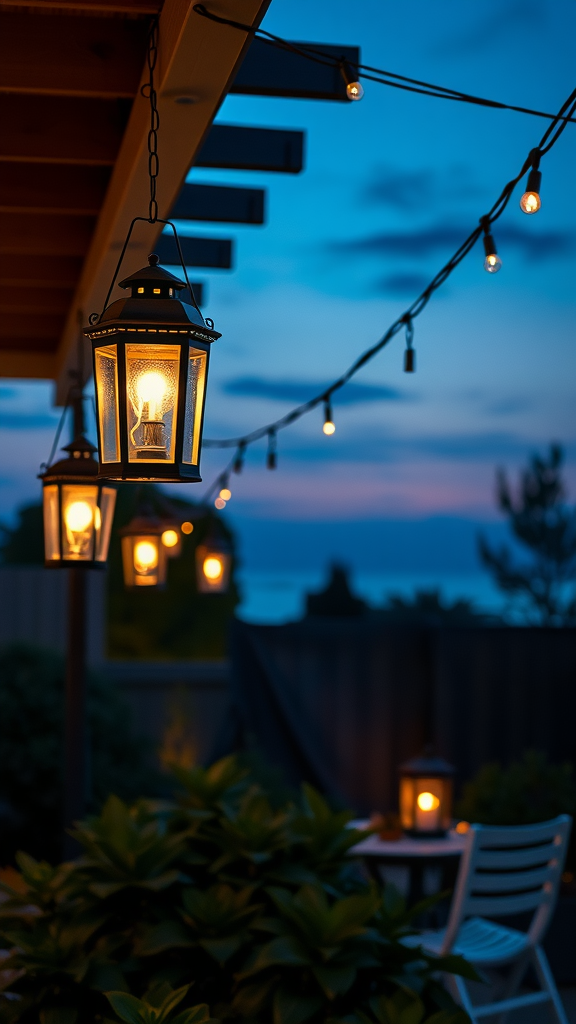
point(329, 427)
point(492, 263)
point(354, 91)
point(187, 528)
point(78, 516)
point(145, 556)
point(151, 388)
point(212, 568)
point(225, 494)
point(530, 202)
point(220, 503)
point(463, 827)
point(427, 801)
point(170, 538)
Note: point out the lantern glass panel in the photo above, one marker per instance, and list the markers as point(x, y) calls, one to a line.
point(51, 532)
point(104, 518)
point(152, 391)
point(144, 560)
point(195, 386)
point(106, 366)
point(80, 518)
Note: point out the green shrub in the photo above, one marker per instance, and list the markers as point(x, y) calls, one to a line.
point(257, 907)
point(528, 791)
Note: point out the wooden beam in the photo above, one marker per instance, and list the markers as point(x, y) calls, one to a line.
point(37, 301)
point(107, 8)
point(269, 71)
point(42, 328)
point(197, 252)
point(197, 61)
point(61, 129)
point(235, 147)
point(71, 56)
point(16, 362)
point(45, 234)
point(220, 204)
point(28, 271)
point(52, 188)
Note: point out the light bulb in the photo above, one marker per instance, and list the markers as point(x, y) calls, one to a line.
point(170, 538)
point(187, 528)
point(530, 202)
point(492, 263)
point(212, 568)
point(329, 427)
point(78, 516)
point(151, 388)
point(145, 556)
point(225, 494)
point(354, 91)
point(427, 801)
point(220, 503)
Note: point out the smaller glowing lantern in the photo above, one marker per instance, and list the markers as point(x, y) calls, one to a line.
point(426, 796)
point(143, 552)
point(213, 562)
point(172, 540)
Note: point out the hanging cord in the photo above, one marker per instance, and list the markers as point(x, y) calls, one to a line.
point(549, 138)
point(366, 71)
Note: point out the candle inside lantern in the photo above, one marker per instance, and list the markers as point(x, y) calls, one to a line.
point(427, 812)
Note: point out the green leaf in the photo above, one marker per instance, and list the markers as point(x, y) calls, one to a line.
point(166, 935)
point(222, 949)
point(336, 980)
point(195, 1015)
point(453, 963)
point(127, 1007)
point(291, 1008)
point(283, 951)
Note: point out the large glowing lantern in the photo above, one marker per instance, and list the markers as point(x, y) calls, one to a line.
point(426, 796)
point(151, 355)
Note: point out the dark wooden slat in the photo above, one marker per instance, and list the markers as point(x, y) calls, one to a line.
point(269, 71)
point(20, 270)
point(252, 149)
point(61, 129)
point(63, 55)
point(218, 203)
point(25, 300)
point(17, 325)
point(45, 234)
point(105, 7)
point(32, 345)
point(46, 188)
point(197, 252)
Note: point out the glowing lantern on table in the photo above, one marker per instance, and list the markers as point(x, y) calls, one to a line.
point(151, 356)
point(213, 562)
point(143, 553)
point(78, 510)
point(426, 796)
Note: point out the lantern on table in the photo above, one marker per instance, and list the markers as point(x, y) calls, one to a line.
point(426, 796)
point(151, 354)
point(213, 563)
point(144, 558)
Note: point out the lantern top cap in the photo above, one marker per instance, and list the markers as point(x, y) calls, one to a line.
point(427, 766)
point(78, 465)
point(153, 273)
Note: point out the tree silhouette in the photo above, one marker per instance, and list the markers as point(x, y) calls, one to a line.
point(542, 589)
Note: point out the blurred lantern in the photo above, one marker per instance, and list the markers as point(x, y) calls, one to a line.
point(150, 390)
point(213, 562)
point(172, 539)
point(144, 555)
point(426, 796)
point(78, 506)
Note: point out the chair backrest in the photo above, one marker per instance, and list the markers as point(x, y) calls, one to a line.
point(508, 870)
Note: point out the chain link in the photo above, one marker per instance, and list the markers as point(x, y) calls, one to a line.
point(149, 91)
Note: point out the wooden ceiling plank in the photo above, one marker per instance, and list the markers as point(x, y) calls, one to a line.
point(68, 56)
point(15, 325)
point(15, 361)
point(24, 300)
point(45, 234)
point(62, 129)
point(108, 8)
point(52, 188)
point(21, 270)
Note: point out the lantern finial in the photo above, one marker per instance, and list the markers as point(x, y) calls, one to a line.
point(153, 259)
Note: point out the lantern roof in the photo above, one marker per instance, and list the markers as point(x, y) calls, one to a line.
point(427, 766)
point(79, 464)
point(143, 523)
point(153, 273)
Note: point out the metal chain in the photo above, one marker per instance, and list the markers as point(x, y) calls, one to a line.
point(153, 162)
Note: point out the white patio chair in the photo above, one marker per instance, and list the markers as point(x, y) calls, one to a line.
point(505, 871)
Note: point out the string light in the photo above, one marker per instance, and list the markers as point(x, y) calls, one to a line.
point(329, 425)
point(271, 461)
point(492, 261)
point(187, 528)
point(409, 354)
point(530, 202)
point(354, 90)
point(219, 503)
point(239, 458)
point(225, 494)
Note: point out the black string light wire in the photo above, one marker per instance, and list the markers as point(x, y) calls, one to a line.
point(270, 430)
point(366, 71)
point(409, 354)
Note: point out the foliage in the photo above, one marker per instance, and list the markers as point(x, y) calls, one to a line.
point(147, 623)
point(529, 790)
point(31, 729)
point(541, 521)
point(257, 907)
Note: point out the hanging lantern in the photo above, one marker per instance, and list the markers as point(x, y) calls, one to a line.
point(144, 557)
point(426, 797)
point(151, 356)
point(171, 538)
point(78, 509)
point(213, 563)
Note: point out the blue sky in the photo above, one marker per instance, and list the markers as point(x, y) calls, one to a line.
point(391, 186)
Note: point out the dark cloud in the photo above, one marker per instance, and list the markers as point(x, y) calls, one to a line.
point(510, 405)
point(417, 190)
point(402, 284)
point(517, 18)
point(298, 391)
point(15, 420)
point(443, 237)
point(8, 392)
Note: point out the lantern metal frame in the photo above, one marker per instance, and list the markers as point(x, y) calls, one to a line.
point(432, 775)
point(143, 528)
point(215, 544)
point(152, 317)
